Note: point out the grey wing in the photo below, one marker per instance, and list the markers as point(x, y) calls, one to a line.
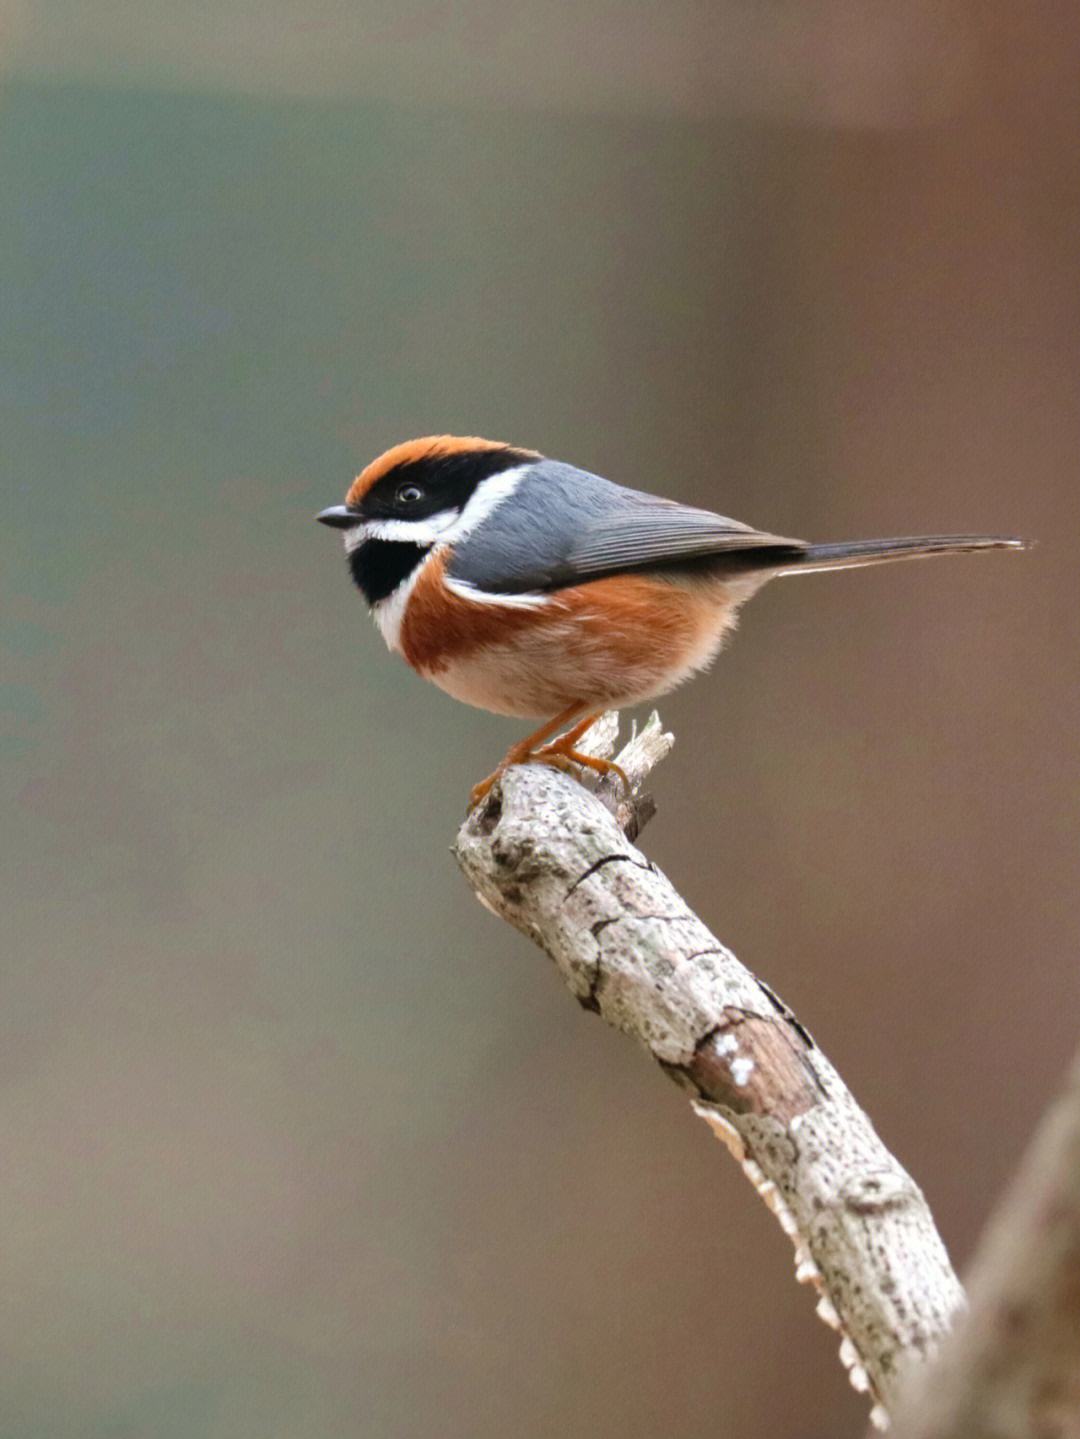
point(565, 526)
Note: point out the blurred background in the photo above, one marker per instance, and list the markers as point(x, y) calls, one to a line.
point(297, 1139)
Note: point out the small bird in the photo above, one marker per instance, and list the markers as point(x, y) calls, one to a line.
point(532, 588)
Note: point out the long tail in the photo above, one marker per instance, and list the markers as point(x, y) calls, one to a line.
point(853, 553)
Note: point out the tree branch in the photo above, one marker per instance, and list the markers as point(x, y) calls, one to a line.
point(1012, 1370)
point(554, 860)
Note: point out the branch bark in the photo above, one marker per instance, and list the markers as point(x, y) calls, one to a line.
point(555, 861)
point(1012, 1369)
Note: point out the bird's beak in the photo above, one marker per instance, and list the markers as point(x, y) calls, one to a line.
point(338, 517)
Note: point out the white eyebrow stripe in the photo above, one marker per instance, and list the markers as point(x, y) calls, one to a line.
point(529, 600)
point(487, 496)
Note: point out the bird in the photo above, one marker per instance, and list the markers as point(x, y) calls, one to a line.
point(537, 590)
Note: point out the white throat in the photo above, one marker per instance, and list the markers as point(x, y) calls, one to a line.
point(389, 614)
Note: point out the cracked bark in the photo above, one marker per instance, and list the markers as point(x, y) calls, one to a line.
point(557, 862)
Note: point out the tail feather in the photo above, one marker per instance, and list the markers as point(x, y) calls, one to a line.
point(853, 553)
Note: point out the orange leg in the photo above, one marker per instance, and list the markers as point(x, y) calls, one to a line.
point(520, 752)
point(560, 754)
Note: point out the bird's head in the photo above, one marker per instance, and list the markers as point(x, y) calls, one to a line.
point(424, 492)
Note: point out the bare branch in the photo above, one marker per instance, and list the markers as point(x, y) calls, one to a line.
point(553, 859)
point(1012, 1370)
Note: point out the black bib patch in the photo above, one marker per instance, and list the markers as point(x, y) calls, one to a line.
point(379, 566)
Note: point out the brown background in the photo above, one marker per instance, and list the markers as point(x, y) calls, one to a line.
point(296, 1139)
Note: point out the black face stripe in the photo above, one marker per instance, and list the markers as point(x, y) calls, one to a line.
point(446, 482)
point(379, 566)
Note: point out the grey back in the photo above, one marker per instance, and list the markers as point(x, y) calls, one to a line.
point(564, 525)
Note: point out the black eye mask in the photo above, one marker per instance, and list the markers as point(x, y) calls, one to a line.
point(447, 482)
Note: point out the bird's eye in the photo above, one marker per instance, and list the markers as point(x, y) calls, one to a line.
point(409, 494)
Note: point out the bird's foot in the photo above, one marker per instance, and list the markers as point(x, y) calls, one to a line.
point(562, 755)
point(519, 753)
point(480, 792)
point(561, 759)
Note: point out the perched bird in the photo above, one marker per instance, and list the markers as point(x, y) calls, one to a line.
point(535, 589)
